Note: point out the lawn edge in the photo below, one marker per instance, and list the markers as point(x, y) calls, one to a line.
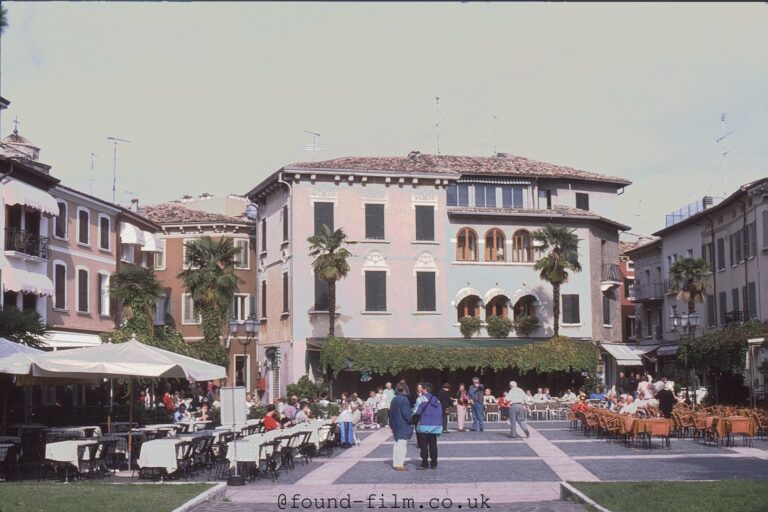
point(215, 492)
point(569, 492)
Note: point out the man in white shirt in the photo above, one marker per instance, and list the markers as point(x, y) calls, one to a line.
point(569, 396)
point(516, 398)
point(630, 407)
point(539, 396)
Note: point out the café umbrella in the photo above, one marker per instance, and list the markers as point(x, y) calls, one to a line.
point(112, 360)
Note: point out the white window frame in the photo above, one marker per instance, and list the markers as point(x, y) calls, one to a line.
point(195, 312)
point(55, 284)
point(104, 293)
point(245, 254)
point(88, 211)
point(158, 253)
point(108, 248)
point(87, 289)
point(66, 221)
point(246, 306)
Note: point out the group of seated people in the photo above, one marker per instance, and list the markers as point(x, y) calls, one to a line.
point(659, 394)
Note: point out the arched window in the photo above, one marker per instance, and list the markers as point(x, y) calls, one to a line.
point(466, 245)
point(525, 306)
point(522, 247)
point(468, 306)
point(497, 306)
point(495, 249)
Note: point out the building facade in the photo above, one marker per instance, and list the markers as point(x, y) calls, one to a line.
point(181, 225)
point(434, 238)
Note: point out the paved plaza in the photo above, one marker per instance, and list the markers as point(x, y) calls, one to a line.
point(510, 474)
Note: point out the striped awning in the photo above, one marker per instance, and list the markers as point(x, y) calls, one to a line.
point(466, 292)
point(494, 180)
point(627, 355)
point(22, 281)
point(153, 242)
point(18, 192)
point(130, 234)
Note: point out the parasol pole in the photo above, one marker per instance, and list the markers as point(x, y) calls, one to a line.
point(130, 420)
point(109, 414)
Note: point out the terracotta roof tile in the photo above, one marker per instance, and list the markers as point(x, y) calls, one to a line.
point(419, 163)
point(176, 213)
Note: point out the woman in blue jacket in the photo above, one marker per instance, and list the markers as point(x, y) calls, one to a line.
point(430, 424)
point(400, 423)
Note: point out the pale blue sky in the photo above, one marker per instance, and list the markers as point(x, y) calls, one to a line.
point(214, 96)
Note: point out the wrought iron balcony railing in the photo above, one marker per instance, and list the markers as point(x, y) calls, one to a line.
point(26, 242)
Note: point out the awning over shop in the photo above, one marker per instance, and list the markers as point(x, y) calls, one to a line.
point(667, 350)
point(17, 192)
point(17, 280)
point(153, 242)
point(627, 355)
point(130, 234)
point(67, 339)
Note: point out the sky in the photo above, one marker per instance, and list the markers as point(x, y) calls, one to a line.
point(214, 97)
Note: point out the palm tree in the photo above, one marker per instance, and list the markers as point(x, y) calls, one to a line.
point(137, 290)
point(211, 281)
point(330, 264)
point(690, 277)
point(559, 246)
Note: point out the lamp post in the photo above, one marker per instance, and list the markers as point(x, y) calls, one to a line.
point(251, 334)
point(752, 344)
point(691, 321)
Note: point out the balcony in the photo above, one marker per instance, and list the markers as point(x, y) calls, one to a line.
point(645, 292)
point(611, 273)
point(24, 242)
point(736, 317)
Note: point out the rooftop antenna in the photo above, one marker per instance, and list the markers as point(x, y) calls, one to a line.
point(495, 122)
point(724, 151)
point(313, 147)
point(115, 142)
point(438, 121)
point(93, 155)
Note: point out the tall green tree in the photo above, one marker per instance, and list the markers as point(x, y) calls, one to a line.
point(136, 289)
point(211, 281)
point(330, 263)
point(559, 248)
point(690, 278)
point(21, 326)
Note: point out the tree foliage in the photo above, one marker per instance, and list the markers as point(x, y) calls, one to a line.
point(559, 247)
point(526, 324)
point(305, 388)
point(690, 277)
point(172, 340)
point(137, 290)
point(555, 354)
point(211, 281)
point(330, 263)
point(724, 350)
point(21, 326)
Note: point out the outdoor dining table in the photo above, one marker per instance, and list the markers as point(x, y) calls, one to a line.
point(87, 431)
point(160, 454)
point(10, 439)
point(66, 451)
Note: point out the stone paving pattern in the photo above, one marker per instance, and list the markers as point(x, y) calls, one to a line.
point(515, 475)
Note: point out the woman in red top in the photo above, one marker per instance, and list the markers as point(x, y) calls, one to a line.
point(269, 421)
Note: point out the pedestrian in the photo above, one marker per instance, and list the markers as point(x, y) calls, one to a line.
point(516, 398)
point(462, 402)
point(446, 402)
point(622, 384)
point(503, 408)
point(476, 401)
point(400, 423)
point(428, 417)
point(666, 399)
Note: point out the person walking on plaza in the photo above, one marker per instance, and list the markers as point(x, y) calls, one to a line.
point(476, 401)
point(428, 417)
point(400, 423)
point(462, 402)
point(516, 398)
point(446, 402)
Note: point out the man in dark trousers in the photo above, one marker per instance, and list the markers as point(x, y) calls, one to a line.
point(622, 385)
point(666, 398)
point(475, 392)
point(444, 396)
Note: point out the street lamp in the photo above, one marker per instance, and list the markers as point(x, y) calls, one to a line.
point(251, 334)
point(691, 321)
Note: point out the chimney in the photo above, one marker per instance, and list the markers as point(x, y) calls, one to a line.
point(186, 197)
point(135, 204)
point(414, 155)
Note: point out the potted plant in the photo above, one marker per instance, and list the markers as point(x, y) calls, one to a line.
point(498, 327)
point(469, 326)
point(526, 324)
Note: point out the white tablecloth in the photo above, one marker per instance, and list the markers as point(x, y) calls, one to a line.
point(160, 453)
point(66, 451)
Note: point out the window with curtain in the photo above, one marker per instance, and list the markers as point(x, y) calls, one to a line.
point(425, 223)
point(83, 227)
point(570, 309)
point(466, 245)
point(60, 286)
point(375, 290)
point(425, 291)
point(522, 246)
point(468, 306)
point(241, 257)
point(82, 290)
point(495, 247)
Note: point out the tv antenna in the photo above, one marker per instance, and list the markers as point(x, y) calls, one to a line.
point(115, 142)
point(495, 122)
point(312, 147)
point(724, 150)
point(438, 122)
point(93, 155)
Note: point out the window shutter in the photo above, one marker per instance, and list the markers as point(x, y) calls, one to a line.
point(323, 216)
point(374, 222)
point(452, 195)
point(753, 239)
point(104, 235)
point(187, 313)
point(321, 294)
point(765, 229)
point(60, 227)
point(567, 308)
point(517, 200)
point(425, 291)
point(735, 298)
point(61, 286)
point(82, 290)
point(83, 225)
point(263, 299)
point(752, 299)
point(285, 293)
point(506, 197)
point(479, 196)
point(710, 310)
point(575, 309)
point(463, 195)
point(606, 310)
point(723, 305)
point(285, 223)
point(375, 290)
point(425, 223)
point(582, 201)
